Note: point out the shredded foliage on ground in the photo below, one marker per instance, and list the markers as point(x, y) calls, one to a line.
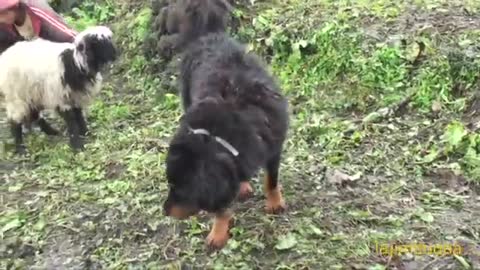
point(383, 149)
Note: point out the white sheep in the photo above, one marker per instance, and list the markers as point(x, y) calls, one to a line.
point(43, 75)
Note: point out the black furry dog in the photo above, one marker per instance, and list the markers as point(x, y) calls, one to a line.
point(182, 21)
point(235, 123)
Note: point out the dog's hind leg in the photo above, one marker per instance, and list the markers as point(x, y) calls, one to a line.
point(219, 235)
point(275, 202)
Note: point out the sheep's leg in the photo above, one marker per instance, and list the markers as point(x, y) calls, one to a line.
point(47, 128)
point(76, 141)
point(82, 124)
point(43, 124)
point(16, 130)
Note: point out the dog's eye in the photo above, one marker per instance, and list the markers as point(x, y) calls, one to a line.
point(81, 47)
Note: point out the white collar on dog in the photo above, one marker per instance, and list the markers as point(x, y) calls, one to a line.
point(221, 141)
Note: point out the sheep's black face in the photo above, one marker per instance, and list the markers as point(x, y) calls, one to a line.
point(94, 49)
point(99, 51)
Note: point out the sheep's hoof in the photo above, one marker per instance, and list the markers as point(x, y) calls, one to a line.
point(47, 128)
point(21, 150)
point(83, 132)
point(78, 148)
point(77, 145)
point(52, 132)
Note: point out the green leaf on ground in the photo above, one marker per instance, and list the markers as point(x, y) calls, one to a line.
point(285, 242)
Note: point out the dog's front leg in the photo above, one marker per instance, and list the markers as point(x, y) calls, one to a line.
point(219, 235)
point(275, 203)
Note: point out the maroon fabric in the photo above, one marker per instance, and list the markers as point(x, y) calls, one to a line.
point(51, 25)
point(46, 24)
point(5, 4)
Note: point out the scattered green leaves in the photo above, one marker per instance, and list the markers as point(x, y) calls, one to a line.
point(286, 242)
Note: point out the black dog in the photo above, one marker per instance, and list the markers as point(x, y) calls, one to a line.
point(235, 123)
point(183, 21)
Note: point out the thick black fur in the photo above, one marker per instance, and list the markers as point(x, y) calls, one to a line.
point(74, 76)
point(74, 120)
point(42, 123)
point(99, 51)
point(229, 93)
point(16, 130)
point(184, 21)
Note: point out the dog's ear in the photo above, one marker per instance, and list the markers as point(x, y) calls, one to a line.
point(226, 160)
point(179, 151)
point(265, 90)
point(180, 158)
point(219, 184)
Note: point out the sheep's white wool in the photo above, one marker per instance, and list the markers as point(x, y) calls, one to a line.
point(31, 75)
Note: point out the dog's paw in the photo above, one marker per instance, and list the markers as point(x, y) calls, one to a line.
point(217, 240)
point(275, 203)
point(220, 233)
point(275, 207)
point(246, 191)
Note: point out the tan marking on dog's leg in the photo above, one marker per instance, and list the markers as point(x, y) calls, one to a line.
point(275, 203)
point(219, 234)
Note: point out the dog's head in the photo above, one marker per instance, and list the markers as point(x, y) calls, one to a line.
point(198, 18)
point(94, 48)
point(202, 174)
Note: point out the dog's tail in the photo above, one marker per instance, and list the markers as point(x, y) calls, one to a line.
point(202, 17)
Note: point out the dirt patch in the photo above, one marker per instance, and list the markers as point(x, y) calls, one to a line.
point(446, 179)
point(114, 170)
point(447, 20)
